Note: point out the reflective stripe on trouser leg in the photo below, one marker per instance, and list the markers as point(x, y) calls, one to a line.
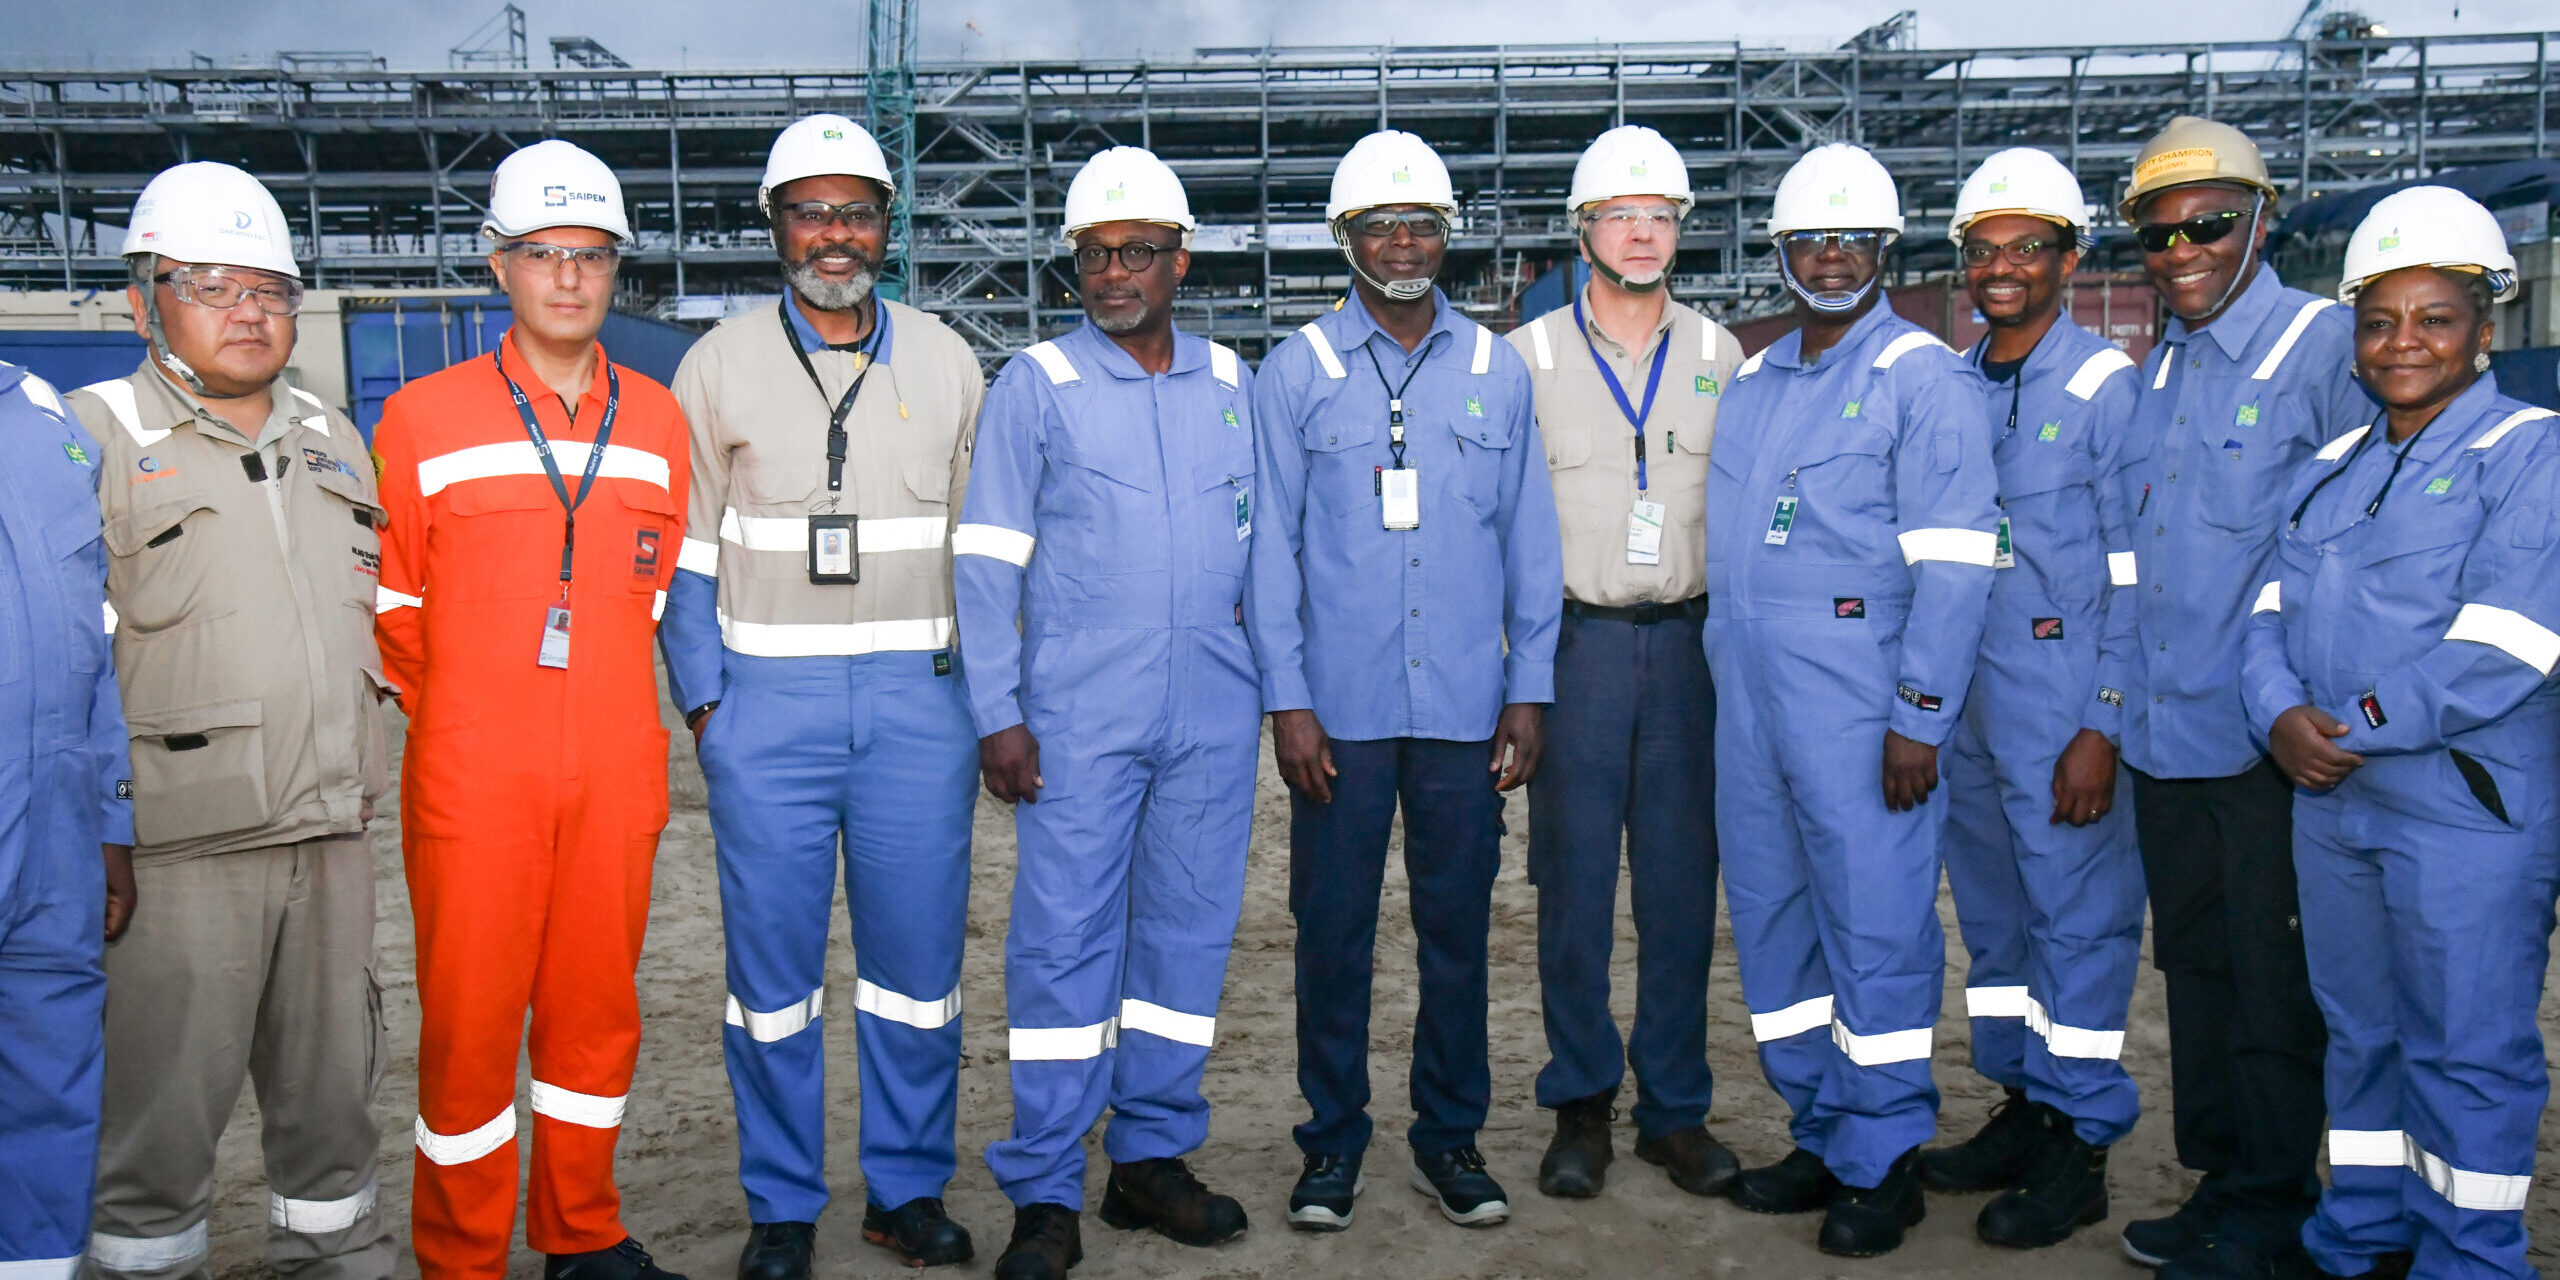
point(52, 1010)
point(2345, 928)
point(177, 1252)
point(1990, 899)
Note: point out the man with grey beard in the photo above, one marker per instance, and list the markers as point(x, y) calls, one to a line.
point(808, 638)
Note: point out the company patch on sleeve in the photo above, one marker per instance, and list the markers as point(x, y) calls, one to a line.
point(1924, 701)
point(2111, 697)
point(2371, 706)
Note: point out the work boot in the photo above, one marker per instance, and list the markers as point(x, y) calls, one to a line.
point(2389, 1266)
point(1046, 1244)
point(919, 1232)
point(1162, 1194)
point(1801, 1183)
point(625, 1261)
point(2242, 1257)
point(1866, 1222)
point(1456, 1179)
point(1326, 1187)
point(1697, 1163)
point(2155, 1242)
point(778, 1251)
point(1577, 1162)
point(2064, 1189)
point(1995, 1157)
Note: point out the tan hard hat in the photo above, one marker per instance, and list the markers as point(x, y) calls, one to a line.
point(2193, 149)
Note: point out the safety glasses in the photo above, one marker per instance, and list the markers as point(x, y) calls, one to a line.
point(810, 215)
point(2020, 253)
point(1861, 244)
point(1137, 256)
point(2156, 237)
point(215, 287)
point(1424, 224)
point(591, 260)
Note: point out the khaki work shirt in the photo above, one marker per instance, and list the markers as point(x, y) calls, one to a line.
point(1591, 448)
point(243, 616)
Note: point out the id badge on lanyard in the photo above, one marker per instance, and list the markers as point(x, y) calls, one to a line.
point(835, 551)
point(1644, 533)
point(1399, 486)
point(554, 649)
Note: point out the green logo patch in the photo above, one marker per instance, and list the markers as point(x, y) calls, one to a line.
point(1849, 410)
point(2440, 484)
point(2050, 432)
point(1231, 418)
point(1707, 386)
point(75, 453)
point(2388, 242)
point(1475, 407)
point(2246, 417)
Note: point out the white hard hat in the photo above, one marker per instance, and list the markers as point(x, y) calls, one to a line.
point(2428, 227)
point(1127, 184)
point(819, 145)
point(1390, 167)
point(1836, 187)
point(1630, 160)
point(212, 214)
point(554, 184)
point(2021, 180)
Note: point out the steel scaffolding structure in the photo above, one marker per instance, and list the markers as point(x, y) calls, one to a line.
point(384, 171)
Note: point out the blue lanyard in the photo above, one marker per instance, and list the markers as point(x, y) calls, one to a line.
point(1652, 383)
point(551, 466)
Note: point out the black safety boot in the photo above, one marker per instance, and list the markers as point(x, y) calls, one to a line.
point(1047, 1243)
point(1697, 1163)
point(625, 1261)
point(2243, 1257)
point(1995, 1157)
point(1865, 1222)
point(1576, 1165)
point(1798, 1184)
point(1456, 1179)
point(2156, 1242)
point(778, 1251)
point(2065, 1189)
point(1326, 1188)
point(1164, 1195)
point(919, 1232)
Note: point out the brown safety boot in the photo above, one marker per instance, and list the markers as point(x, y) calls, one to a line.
point(1164, 1195)
point(1697, 1163)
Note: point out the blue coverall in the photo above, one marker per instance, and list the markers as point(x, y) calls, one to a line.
point(2052, 913)
point(2429, 626)
point(63, 792)
point(1851, 529)
point(1109, 510)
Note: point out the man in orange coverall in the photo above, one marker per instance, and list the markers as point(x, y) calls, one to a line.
point(525, 488)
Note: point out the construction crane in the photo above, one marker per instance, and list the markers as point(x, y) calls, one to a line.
point(890, 93)
point(2332, 20)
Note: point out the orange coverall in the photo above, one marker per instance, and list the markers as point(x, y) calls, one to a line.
point(531, 797)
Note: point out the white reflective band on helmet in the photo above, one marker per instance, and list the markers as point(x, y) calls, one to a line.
point(589, 1110)
point(2337, 448)
point(1172, 1024)
point(1484, 352)
point(787, 1021)
point(41, 1268)
point(993, 541)
point(1222, 365)
point(2270, 598)
point(1884, 1048)
point(1538, 339)
point(1794, 1020)
point(1905, 345)
point(463, 1148)
point(1062, 1044)
point(117, 395)
point(2486, 1192)
point(2122, 569)
point(1995, 1002)
point(2369, 1148)
point(2510, 423)
point(2292, 333)
point(699, 557)
point(880, 1002)
point(148, 1253)
point(791, 533)
point(321, 1217)
point(658, 606)
point(2073, 1042)
point(1323, 348)
point(2520, 637)
point(834, 639)
point(385, 600)
point(1749, 367)
point(1955, 546)
point(109, 613)
point(1053, 362)
point(2095, 370)
point(518, 458)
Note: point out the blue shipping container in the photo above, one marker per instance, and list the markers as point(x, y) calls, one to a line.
point(70, 358)
point(2530, 374)
point(391, 340)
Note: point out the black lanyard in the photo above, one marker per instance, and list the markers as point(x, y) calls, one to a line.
point(1395, 395)
point(2374, 508)
point(1652, 383)
point(551, 466)
point(836, 441)
point(2017, 379)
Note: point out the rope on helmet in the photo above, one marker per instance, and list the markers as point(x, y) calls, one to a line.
point(1582, 231)
point(1400, 290)
point(1828, 303)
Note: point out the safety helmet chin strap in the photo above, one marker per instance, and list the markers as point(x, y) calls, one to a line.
point(1613, 275)
point(1828, 303)
point(1400, 290)
point(2257, 211)
point(160, 349)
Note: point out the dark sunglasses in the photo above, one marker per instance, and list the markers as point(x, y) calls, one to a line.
point(2156, 237)
point(1423, 223)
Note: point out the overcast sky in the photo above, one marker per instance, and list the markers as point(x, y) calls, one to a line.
point(417, 33)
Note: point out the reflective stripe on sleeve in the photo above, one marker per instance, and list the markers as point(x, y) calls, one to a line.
point(2485, 1192)
point(834, 639)
point(1749, 367)
point(1484, 352)
point(2122, 569)
point(658, 606)
point(880, 1002)
point(463, 1148)
point(2168, 356)
point(2270, 598)
point(2510, 423)
point(148, 1253)
point(2520, 637)
point(1884, 1048)
point(385, 600)
point(41, 1268)
point(993, 541)
point(1053, 362)
point(1062, 1044)
point(2292, 334)
point(780, 1024)
point(2369, 1148)
point(1905, 345)
point(2337, 448)
point(1995, 1002)
point(109, 613)
point(699, 557)
point(2073, 1042)
point(1794, 1020)
point(2094, 372)
point(1323, 349)
point(1538, 340)
point(1955, 546)
point(1172, 1024)
point(321, 1217)
point(518, 458)
point(589, 1110)
point(1222, 365)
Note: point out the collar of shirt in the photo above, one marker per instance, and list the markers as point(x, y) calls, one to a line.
point(813, 344)
point(1190, 354)
point(536, 390)
point(1611, 346)
point(1353, 328)
point(164, 405)
point(1783, 351)
point(2238, 322)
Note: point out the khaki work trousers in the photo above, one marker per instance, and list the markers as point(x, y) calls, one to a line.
point(256, 964)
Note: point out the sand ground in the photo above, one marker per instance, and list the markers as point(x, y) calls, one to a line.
point(679, 1148)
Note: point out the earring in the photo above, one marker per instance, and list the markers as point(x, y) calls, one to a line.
point(2480, 362)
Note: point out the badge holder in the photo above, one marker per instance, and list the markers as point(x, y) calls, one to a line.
point(1644, 532)
point(555, 637)
point(835, 555)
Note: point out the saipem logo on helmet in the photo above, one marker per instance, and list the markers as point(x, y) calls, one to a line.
point(561, 197)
